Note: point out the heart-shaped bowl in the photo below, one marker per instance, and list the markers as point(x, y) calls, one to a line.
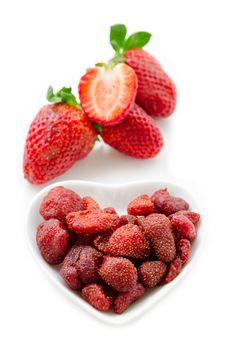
point(117, 196)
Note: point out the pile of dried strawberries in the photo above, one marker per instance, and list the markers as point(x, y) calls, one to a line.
point(111, 259)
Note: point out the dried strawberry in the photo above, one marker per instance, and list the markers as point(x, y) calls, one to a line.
point(174, 270)
point(101, 242)
point(69, 271)
point(88, 203)
point(184, 249)
point(167, 204)
point(52, 241)
point(150, 273)
point(125, 299)
point(128, 241)
point(191, 215)
point(81, 266)
point(59, 202)
point(71, 277)
point(156, 194)
point(184, 226)
point(110, 210)
point(128, 219)
point(95, 296)
point(119, 273)
point(90, 221)
point(157, 230)
point(141, 205)
point(89, 262)
point(85, 239)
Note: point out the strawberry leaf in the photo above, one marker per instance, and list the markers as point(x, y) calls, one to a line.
point(64, 95)
point(117, 36)
point(137, 40)
point(51, 97)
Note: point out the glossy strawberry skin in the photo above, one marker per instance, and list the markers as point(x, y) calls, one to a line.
point(137, 135)
point(156, 92)
point(58, 136)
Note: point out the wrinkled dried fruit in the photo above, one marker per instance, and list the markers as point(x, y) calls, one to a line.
point(141, 205)
point(101, 242)
point(191, 215)
point(125, 299)
point(167, 204)
point(95, 296)
point(174, 270)
point(110, 210)
point(119, 273)
point(59, 202)
point(184, 226)
point(157, 230)
point(184, 249)
point(69, 271)
point(52, 241)
point(150, 273)
point(128, 219)
point(88, 264)
point(88, 203)
point(81, 265)
point(71, 277)
point(85, 239)
point(128, 241)
point(90, 221)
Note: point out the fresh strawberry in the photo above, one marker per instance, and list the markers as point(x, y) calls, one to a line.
point(58, 136)
point(137, 135)
point(156, 92)
point(107, 92)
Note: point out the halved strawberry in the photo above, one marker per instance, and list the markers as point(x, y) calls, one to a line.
point(107, 93)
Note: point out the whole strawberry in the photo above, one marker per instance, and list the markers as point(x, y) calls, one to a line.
point(156, 92)
point(59, 135)
point(137, 135)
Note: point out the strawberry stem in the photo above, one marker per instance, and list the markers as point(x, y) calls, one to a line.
point(121, 44)
point(64, 95)
point(97, 127)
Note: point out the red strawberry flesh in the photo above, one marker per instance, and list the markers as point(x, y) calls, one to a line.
point(107, 94)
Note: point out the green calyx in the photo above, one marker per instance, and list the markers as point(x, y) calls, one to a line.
point(98, 127)
point(121, 44)
point(64, 95)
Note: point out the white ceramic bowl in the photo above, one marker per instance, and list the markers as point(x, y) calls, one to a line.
point(117, 196)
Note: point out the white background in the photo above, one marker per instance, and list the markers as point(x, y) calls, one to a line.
point(53, 42)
